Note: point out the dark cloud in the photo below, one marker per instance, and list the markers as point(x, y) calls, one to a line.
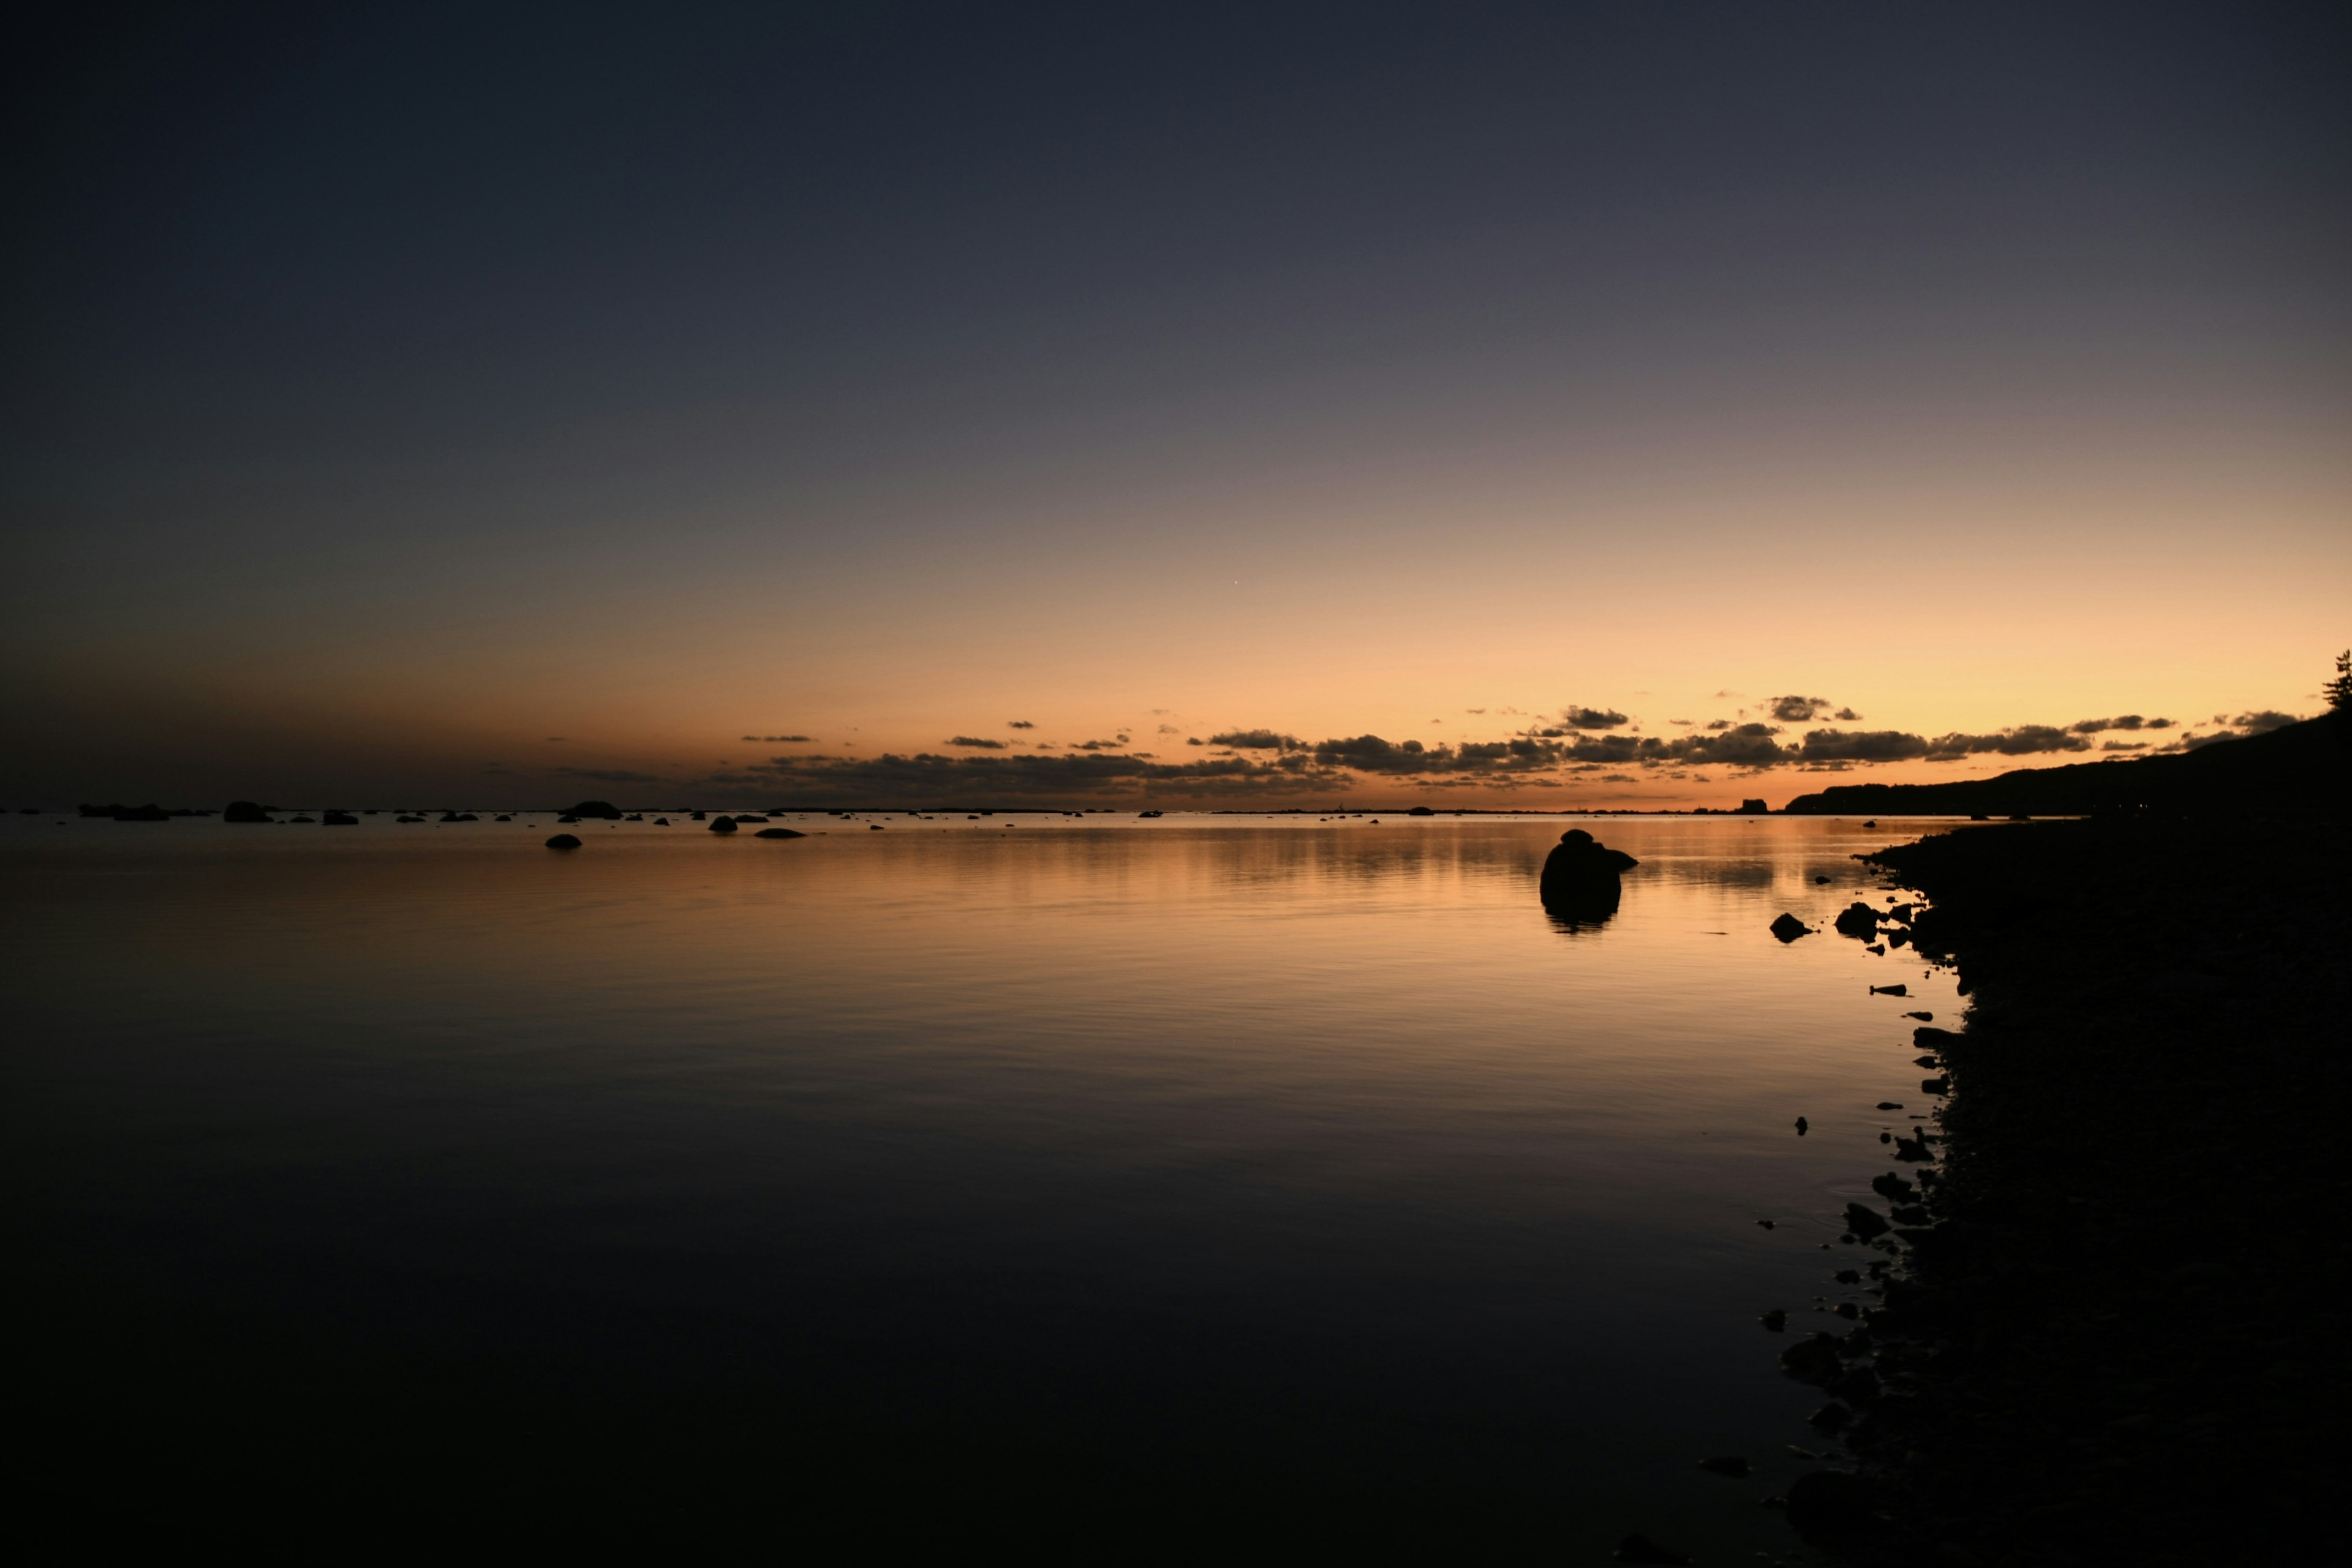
point(609, 775)
point(1846, 716)
point(1684, 722)
point(1474, 710)
point(2264, 723)
point(2123, 745)
point(1100, 745)
point(932, 778)
point(2121, 721)
point(1797, 709)
point(1718, 723)
point(1257, 741)
point(1195, 741)
point(1019, 724)
point(776, 739)
point(1577, 717)
point(976, 743)
point(1172, 729)
point(1862, 746)
point(2024, 739)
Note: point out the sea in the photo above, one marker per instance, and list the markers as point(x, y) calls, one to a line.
point(1204, 1185)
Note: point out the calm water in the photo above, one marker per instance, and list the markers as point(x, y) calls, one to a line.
point(1198, 1174)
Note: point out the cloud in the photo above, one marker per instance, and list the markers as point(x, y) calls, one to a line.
point(1684, 722)
point(1019, 724)
point(1718, 723)
point(1172, 729)
point(2264, 723)
point(1846, 716)
point(2123, 745)
point(2021, 741)
point(2121, 721)
point(929, 776)
point(1100, 745)
point(777, 739)
point(1862, 746)
point(976, 743)
point(609, 775)
point(1257, 741)
point(1474, 710)
point(1577, 717)
point(1195, 741)
point(1797, 709)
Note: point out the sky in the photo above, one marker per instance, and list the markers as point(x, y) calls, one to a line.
point(1553, 407)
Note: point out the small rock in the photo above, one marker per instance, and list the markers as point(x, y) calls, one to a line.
point(1725, 1465)
point(1912, 1149)
point(1775, 1321)
point(1801, 1125)
point(1858, 920)
point(1934, 1086)
point(1890, 1105)
point(778, 833)
point(1765, 1223)
point(723, 825)
point(1864, 1221)
point(1926, 1062)
point(1897, 989)
point(1814, 1361)
point(1848, 1276)
point(1789, 928)
point(1893, 1188)
point(563, 841)
point(1923, 1017)
point(1877, 947)
point(1642, 1548)
point(1858, 1386)
point(1909, 1213)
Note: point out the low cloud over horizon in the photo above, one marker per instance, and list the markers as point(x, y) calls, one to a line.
point(1601, 746)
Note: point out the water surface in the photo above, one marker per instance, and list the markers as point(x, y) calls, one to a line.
point(1196, 1174)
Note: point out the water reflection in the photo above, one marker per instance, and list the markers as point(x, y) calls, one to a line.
point(1165, 1161)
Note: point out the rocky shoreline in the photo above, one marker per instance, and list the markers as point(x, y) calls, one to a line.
point(2118, 1334)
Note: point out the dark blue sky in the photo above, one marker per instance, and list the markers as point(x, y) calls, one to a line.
point(778, 285)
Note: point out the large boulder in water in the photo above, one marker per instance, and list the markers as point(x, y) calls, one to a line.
point(563, 841)
point(246, 811)
point(723, 825)
point(1581, 875)
point(1857, 920)
point(603, 809)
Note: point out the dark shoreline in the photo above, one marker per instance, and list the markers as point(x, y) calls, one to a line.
point(2120, 1339)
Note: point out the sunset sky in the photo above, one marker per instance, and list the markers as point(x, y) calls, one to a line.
point(516, 403)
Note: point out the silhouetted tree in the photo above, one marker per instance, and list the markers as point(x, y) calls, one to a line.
point(2339, 690)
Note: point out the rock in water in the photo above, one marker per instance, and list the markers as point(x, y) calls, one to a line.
point(339, 819)
point(1814, 1361)
point(1580, 885)
point(1789, 928)
point(1859, 921)
point(598, 808)
point(779, 833)
point(563, 841)
point(723, 825)
point(245, 811)
point(1864, 1221)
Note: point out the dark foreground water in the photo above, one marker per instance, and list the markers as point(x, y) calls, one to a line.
point(1228, 1182)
